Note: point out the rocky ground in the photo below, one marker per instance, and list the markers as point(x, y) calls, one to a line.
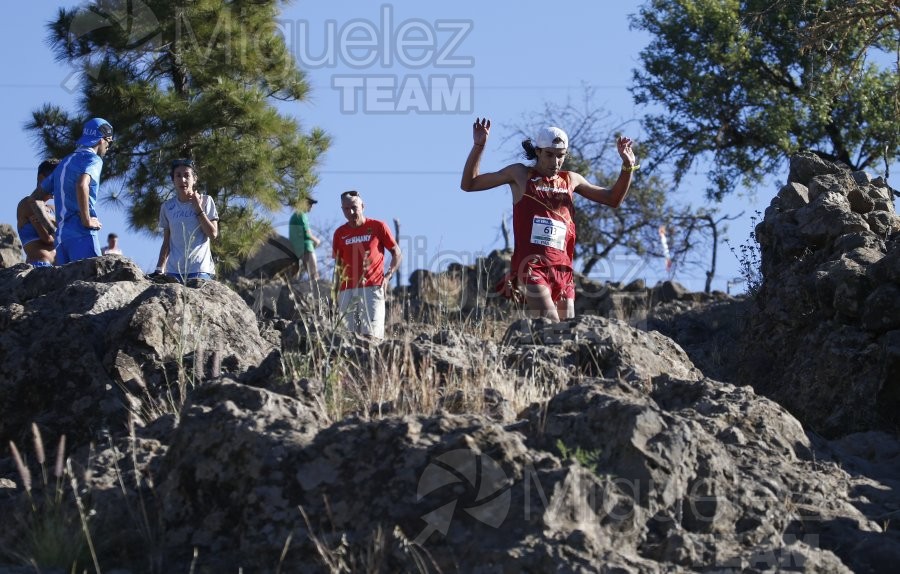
point(226, 428)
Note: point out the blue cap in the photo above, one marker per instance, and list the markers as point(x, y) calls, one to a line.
point(95, 129)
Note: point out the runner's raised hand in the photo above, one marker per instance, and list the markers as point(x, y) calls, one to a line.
point(480, 131)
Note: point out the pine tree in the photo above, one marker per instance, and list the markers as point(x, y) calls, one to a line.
point(196, 79)
point(743, 84)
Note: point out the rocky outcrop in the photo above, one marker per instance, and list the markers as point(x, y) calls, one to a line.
point(469, 291)
point(10, 247)
point(645, 474)
point(206, 437)
point(826, 342)
point(596, 347)
point(84, 344)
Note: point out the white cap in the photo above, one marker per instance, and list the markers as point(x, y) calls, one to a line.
point(547, 138)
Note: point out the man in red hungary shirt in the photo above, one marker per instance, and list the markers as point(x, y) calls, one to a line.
point(543, 213)
point(358, 249)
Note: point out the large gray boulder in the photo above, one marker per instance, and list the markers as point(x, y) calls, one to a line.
point(10, 247)
point(84, 344)
point(593, 346)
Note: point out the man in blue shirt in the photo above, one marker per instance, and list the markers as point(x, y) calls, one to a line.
point(74, 185)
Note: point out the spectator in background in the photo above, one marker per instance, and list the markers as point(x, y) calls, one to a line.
point(304, 241)
point(36, 222)
point(112, 245)
point(359, 247)
point(189, 221)
point(74, 185)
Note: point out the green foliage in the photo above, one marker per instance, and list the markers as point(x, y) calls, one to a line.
point(192, 80)
point(589, 459)
point(740, 84)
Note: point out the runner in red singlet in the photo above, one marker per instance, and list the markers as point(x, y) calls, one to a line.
point(543, 213)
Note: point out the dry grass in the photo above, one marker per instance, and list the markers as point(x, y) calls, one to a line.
point(358, 378)
point(376, 379)
point(52, 528)
point(384, 550)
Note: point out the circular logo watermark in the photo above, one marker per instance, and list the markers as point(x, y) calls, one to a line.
point(482, 490)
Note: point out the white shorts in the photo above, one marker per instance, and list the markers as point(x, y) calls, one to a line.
point(363, 310)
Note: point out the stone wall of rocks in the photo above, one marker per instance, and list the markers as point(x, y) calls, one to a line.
point(826, 340)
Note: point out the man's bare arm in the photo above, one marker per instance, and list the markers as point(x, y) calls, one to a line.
point(39, 216)
point(612, 197)
point(396, 258)
point(163, 252)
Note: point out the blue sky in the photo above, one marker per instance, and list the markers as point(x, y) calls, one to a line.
point(400, 115)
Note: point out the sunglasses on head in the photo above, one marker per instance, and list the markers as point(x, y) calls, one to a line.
point(106, 131)
point(350, 194)
point(183, 163)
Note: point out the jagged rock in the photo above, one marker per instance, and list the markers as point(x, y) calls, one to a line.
point(883, 223)
point(887, 270)
point(677, 475)
point(881, 309)
point(595, 347)
point(686, 483)
point(838, 183)
point(843, 285)
point(828, 299)
point(450, 352)
point(860, 201)
point(85, 343)
point(10, 247)
point(236, 437)
point(826, 218)
point(282, 298)
point(467, 290)
point(804, 166)
point(793, 196)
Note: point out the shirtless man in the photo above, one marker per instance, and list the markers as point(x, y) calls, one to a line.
point(35, 221)
point(543, 213)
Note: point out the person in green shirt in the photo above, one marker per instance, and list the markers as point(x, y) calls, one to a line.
point(303, 240)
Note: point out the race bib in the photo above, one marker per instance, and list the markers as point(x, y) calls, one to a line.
point(549, 233)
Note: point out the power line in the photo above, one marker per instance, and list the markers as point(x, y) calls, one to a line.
point(385, 172)
point(29, 86)
point(474, 85)
point(324, 171)
point(561, 87)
